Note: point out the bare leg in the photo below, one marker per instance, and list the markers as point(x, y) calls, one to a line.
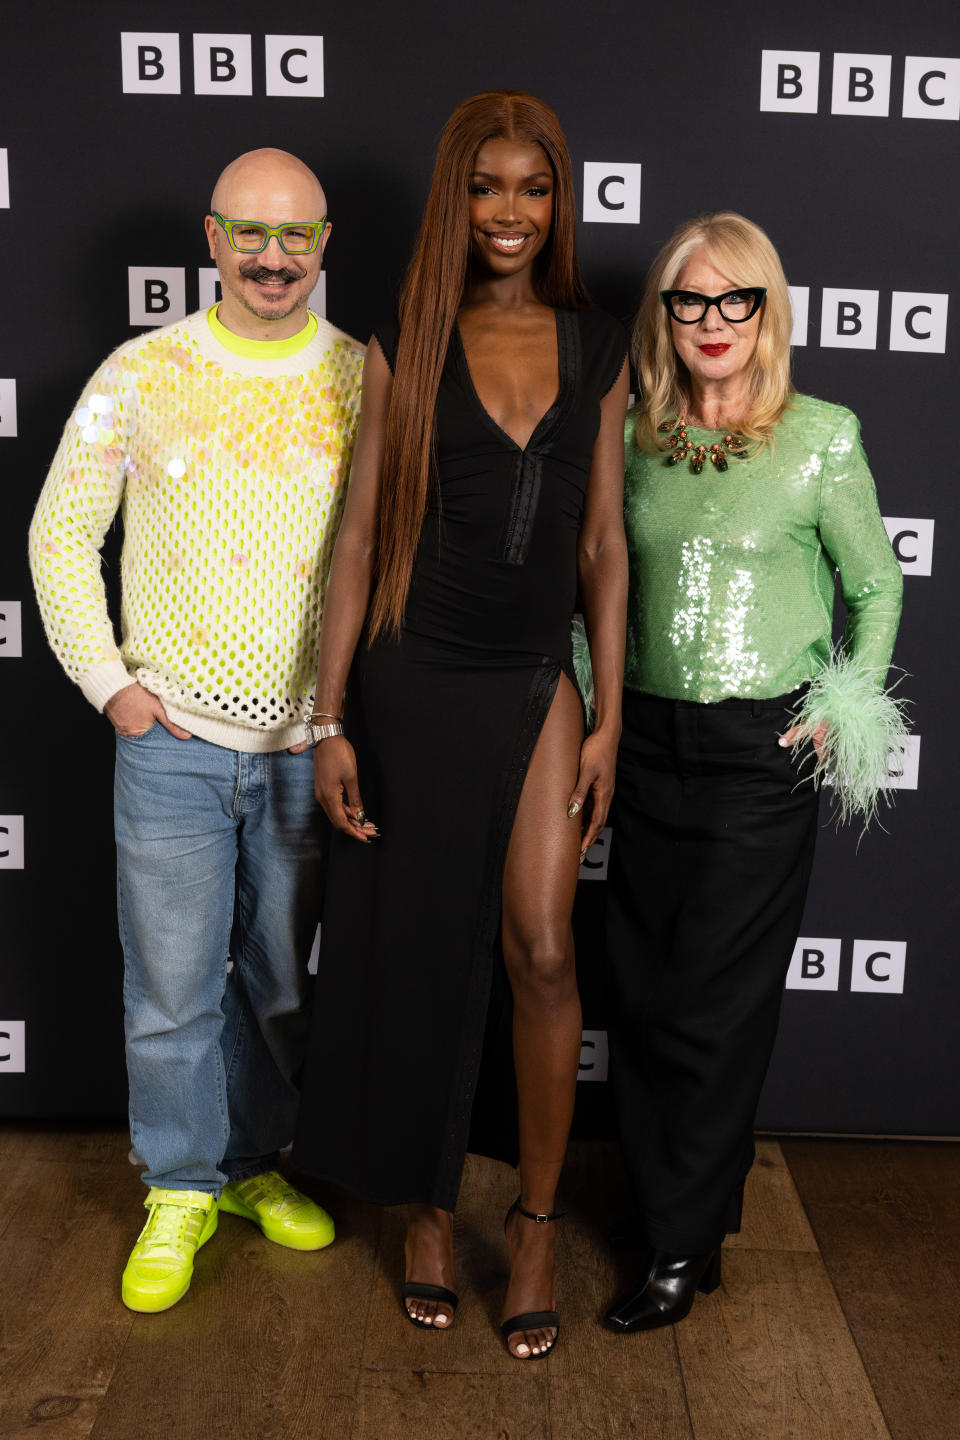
point(539, 884)
point(428, 1256)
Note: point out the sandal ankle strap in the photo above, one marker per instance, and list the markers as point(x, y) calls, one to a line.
point(539, 1216)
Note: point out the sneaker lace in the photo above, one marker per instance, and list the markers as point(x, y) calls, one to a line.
point(275, 1190)
point(168, 1224)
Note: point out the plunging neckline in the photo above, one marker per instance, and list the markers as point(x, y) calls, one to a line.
point(549, 414)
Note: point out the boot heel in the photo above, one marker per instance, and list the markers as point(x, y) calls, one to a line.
point(710, 1278)
point(734, 1218)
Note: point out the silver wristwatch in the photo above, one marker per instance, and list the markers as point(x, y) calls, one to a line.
point(317, 732)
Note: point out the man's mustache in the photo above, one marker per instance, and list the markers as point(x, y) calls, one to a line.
point(260, 272)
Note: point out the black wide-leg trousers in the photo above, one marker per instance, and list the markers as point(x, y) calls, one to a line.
point(713, 840)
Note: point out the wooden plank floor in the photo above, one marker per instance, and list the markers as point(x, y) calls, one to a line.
point(837, 1319)
point(886, 1217)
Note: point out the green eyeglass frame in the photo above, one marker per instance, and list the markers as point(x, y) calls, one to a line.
point(316, 227)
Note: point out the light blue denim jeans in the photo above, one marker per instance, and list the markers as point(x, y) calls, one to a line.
point(219, 853)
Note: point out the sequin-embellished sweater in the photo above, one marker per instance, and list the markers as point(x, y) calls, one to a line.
point(732, 574)
point(230, 471)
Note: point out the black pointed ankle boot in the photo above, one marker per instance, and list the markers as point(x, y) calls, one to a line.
point(665, 1291)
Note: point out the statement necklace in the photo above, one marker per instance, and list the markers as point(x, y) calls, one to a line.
point(730, 447)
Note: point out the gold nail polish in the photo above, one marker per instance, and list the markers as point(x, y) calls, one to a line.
point(573, 809)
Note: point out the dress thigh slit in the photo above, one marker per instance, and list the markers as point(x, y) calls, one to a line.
point(410, 950)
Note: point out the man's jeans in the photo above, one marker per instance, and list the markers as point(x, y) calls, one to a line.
point(220, 854)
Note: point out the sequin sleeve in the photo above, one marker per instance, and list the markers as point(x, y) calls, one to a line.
point(854, 537)
point(79, 500)
point(863, 725)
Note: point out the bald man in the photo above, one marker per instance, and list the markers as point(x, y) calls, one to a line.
point(225, 440)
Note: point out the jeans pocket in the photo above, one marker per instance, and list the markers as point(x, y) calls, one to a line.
point(142, 736)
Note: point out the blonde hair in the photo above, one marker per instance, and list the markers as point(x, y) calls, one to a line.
point(743, 251)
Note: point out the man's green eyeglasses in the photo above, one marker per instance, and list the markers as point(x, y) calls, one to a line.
point(249, 237)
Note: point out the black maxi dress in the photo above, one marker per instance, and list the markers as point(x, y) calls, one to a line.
point(444, 721)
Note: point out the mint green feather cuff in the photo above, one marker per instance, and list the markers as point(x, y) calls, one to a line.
point(866, 732)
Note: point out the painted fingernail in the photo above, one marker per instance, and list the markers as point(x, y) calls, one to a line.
point(583, 856)
point(574, 807)
point(784, 742)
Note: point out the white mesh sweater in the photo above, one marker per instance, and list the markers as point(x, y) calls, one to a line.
point(231, 470)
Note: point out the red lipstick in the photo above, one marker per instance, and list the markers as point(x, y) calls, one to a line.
point(713, 349)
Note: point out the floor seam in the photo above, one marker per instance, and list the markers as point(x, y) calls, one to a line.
point(92, 1432)
point(683, 1383)
point(826, 1270)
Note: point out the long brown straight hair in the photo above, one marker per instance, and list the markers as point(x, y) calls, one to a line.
point(429, 300)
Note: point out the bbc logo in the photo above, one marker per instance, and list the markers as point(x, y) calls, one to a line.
point(4, 181)
point(594, 1056)
point(158, 293)
point(903, 770)
point(849, 319)
point(611, 193)
point(790, 81)
point(8, 407)
point(11, 641)
point(877, 967)
point(11, 842)
point(597, 858)
point(222, 64)
point(912, 542)
point(13, 1046)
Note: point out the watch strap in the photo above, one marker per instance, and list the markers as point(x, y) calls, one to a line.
point(316, 733)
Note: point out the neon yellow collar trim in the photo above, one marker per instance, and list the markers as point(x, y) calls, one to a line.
point(261, 349)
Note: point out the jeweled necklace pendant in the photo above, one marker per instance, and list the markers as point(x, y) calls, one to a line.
point(684, 449)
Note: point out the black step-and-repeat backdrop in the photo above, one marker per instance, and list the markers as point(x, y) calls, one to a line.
point(837, 132)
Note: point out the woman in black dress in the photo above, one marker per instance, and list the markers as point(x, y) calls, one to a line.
point(487, 482)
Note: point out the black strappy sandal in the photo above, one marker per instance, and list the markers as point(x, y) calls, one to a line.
point(411, 1290)
point(532, 1319)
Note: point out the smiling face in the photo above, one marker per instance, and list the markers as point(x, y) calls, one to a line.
point(265, 295)
point(510, 205)
point(713, 349)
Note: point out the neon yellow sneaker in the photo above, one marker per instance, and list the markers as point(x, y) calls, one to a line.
point(160, 1267)
point(285, 1216)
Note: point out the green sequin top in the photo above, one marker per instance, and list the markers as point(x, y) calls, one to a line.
point(732, 574)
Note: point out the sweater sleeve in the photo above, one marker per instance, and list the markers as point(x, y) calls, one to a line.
point(78, 502)
point(854, 536)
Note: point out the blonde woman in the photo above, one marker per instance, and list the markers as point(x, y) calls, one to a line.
point(743, 499)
